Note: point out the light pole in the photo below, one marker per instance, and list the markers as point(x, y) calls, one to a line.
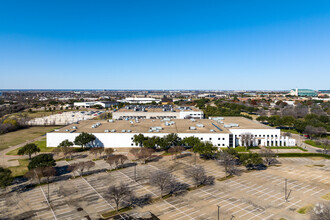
point(285, 189)
point(135, 172)
point(218, 212)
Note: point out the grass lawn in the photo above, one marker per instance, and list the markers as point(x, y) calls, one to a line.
point(289, 148)
point(39, 114)
point(242, 149)
point(21, 169)
point(20, 136)
point(305, 209)
point(311, 142)
point(290, 131)
point(41, 144)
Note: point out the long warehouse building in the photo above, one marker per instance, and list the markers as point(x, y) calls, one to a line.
point(221, 132)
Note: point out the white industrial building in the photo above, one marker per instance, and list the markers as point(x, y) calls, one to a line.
point(104, 104)
point(139, 100)
point(157, 112)
point(221, 132)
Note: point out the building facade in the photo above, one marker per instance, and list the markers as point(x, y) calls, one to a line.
point(120, 134)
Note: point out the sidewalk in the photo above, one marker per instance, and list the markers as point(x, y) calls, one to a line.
point(12, 160)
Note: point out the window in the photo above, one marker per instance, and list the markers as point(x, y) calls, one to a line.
point(263, 135)
point(132, 144)
point(223, 138)
point(201, 138)
point(223, 144)
point(275, 135)
point(272, 135)
point(267, 135)
point(219, 139)
point(131, 138)
point(210, 139)
point(218, 145)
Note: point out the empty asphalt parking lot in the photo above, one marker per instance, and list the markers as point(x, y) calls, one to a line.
point(252, 195)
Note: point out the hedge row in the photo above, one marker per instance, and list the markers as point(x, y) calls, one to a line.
point(327, 156)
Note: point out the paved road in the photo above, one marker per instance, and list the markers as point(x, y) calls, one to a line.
point(300, 142)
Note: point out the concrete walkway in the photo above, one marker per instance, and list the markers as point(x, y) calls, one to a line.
point(300, 143)
point(12, 160)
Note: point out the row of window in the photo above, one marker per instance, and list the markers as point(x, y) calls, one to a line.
point(260, 135)
point(211, 139)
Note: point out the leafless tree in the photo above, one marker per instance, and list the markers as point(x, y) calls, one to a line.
point(89, 165)
point(67, 151)
point(122, 159)
point(198, 175)
point(135, 152)
point(321, 211)
point(108, 151)
point(176, 150)
point(57, 151)
point(48, 172)
point(301, 110)
point(110, 160)
point(119, 194)
point(77, 167)
point(287, 134)
point(269, 156)
point(229, 162)
point(145, 154)
point(96, 151)
point(325, 143)
point(247, 139)
point(161, 179)
point(35, 174)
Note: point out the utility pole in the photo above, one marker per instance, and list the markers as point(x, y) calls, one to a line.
point(218, 212)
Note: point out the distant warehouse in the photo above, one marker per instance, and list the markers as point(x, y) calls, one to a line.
point(157, 112)
point(221, 132)
point(104, 104)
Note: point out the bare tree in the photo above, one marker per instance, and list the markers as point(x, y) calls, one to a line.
point(229, 162)
point(247, 139)
point(57, 151)
point(145, 154)
point(48, 172)
point(321, 211)
point(122, 159)
point(161, 179)
point(135, 152)
point(269, 156)
point(176, 150)
point(198, 175)
point(108, 151)
point(67, 151)
point(35, 174)
point(89, 165)
point(325, 145)
point(287, 134)
point(77, 167)
point(119, 194)
point(110, 160)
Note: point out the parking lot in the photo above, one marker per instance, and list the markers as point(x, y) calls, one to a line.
point(252, 195)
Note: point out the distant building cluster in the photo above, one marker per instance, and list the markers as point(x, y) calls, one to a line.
point(104, 104)
point(303, 92)
point(157, 112)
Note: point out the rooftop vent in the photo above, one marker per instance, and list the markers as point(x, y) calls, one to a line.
point(113, 130)
point(106, 131)
point(200, 125)
point(192, 128)
point(111, 121)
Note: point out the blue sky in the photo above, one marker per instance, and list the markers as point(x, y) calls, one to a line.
point(121, 44)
